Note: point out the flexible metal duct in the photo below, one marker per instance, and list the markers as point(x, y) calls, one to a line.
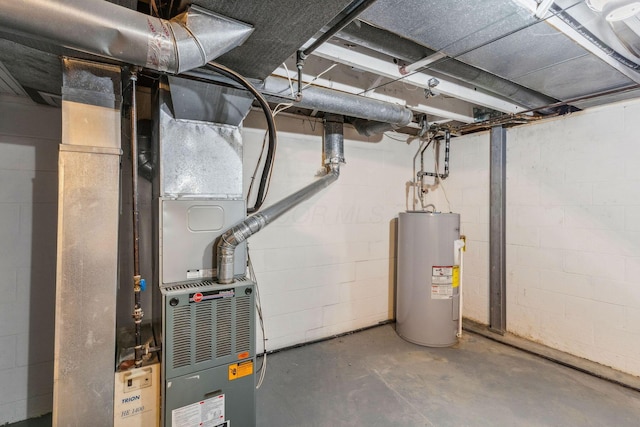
point(334, 155)
point(277, 89)
point(370, 127)
point(98, 27)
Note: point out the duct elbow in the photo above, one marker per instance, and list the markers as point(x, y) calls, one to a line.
point(201, 36)
point(334, 169)
point(225, 254)
point(229, 240)
point(187, 41)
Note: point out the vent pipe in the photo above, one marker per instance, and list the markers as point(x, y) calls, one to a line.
point(277, 89)
point(333, 147)
point(98, 27)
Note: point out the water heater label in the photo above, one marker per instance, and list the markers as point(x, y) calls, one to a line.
point(442, 271)
point(441, 292)
point(456, 276)
point(442, 281)
point(206, 413)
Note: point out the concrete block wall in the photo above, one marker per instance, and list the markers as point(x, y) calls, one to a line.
point(573, 231)
point(327, 266)
point(29, 138)
point(467, 193)
point(324, 268)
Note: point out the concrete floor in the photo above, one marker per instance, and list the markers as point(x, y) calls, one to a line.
point(374, 378)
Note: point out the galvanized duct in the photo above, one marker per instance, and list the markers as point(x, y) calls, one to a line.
point(277, 89)
point(333, 144)
point(98, 27)
point(403, 49)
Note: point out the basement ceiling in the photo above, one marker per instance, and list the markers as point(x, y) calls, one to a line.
point(483, 59)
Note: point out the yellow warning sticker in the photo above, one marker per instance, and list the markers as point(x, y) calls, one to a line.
point(456, 276)
point(239, 370)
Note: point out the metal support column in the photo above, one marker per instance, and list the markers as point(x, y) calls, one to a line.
point(87, 253)
point(497, 232)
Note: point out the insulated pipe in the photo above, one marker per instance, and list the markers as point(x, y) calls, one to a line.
point(101, 28)
point(376, 116)
point(239, 233)
point(370, 127)
point(277, 89)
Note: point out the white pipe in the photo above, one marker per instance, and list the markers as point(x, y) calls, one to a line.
point(543, 8)
point(459, 248)
point(372, 64)
point(410, 68)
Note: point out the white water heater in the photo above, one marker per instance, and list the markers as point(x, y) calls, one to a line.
point(428, 292)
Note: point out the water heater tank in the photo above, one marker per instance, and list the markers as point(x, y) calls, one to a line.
point(427, 301)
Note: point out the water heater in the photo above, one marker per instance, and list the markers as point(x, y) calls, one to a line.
point(428, 291)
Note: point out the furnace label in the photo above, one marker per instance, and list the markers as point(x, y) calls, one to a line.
point(239, 370)
point(206, 413)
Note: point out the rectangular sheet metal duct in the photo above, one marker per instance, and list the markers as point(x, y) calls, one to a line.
point(87, 254)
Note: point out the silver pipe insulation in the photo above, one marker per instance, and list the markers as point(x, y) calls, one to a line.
point(333, 145)
point(277, 89)
point(101, 28)
point(370, 127)
point(188, 41)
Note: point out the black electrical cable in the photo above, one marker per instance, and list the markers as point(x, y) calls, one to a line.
point(268, 164)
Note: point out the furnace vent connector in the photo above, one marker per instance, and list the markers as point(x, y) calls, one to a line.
point(333, 149)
